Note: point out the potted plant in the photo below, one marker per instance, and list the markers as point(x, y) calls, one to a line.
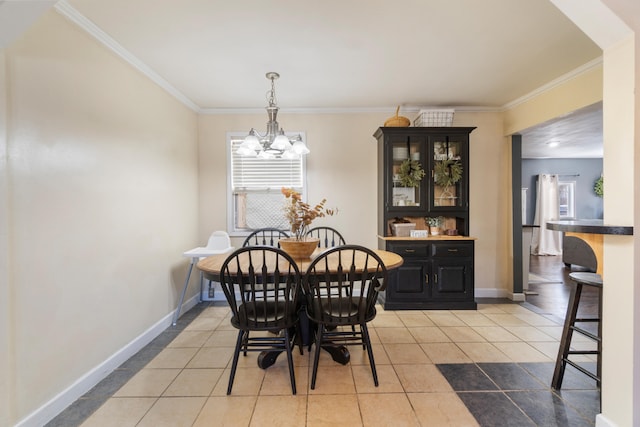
point(300, 216)
point(434, 223)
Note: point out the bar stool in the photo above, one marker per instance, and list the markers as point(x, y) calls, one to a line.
point(580, 280)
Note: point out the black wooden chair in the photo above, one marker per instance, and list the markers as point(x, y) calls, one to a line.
point(329, 237)
point(261, 285)
point(341, 288)
point(265, 237)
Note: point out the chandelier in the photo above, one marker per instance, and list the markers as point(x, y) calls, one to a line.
point(274, 143)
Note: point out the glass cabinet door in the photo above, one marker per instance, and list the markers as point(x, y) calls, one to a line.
point(407, 173)
point(448, 172)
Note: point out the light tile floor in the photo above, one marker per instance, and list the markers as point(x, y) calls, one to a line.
point(487, 367)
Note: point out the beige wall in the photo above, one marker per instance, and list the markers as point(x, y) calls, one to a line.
point(621, 330)
point(5, 295)
point(100, 204)
point(342, 168)
point(619, 79)
point(621, 308)
point(580, 91)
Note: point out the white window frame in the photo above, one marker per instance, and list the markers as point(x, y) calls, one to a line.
point(275, 188)
point(570, 188)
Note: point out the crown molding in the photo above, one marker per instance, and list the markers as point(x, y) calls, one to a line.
point(554, 83)
point(66, 10)
point(346, 110)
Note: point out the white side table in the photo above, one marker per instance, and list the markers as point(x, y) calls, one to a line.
point(195, 254)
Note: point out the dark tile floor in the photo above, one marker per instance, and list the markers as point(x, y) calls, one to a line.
point(499, 394)
point(511, 394)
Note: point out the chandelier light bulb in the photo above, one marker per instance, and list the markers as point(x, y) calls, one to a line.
point(281, 142)
point(300, 148)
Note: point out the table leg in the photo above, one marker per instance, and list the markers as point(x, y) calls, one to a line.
point(267, 358)
point(184, 291)
point(339, 353)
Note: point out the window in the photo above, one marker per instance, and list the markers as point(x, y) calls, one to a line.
point(566, 199)
point(254, 196)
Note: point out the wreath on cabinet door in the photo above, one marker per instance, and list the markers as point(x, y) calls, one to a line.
point(411, 173)
point(447, 172)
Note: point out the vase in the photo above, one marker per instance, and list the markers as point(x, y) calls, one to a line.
point(299, 249)
point(434, 231)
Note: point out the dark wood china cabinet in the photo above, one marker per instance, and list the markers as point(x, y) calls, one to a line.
point(438, 269)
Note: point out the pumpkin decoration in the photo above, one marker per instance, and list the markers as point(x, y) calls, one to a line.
point(397, 121)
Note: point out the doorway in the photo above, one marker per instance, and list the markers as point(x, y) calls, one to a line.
point(568, 146)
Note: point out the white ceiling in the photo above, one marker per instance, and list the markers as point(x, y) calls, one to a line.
point(345, 55)
point(575, 135)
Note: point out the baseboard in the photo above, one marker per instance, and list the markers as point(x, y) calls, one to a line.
point(82, 385)
point(498, 293)
point(489, 293)
point(519, 297)
point(602, 421)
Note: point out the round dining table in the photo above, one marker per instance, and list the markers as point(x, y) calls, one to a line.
point(212, 265)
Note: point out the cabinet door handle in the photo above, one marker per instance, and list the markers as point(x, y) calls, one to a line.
point(435, 278)
point(410, 250)
point(426, 279)
point(452, 250)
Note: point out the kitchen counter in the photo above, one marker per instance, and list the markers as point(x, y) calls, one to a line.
point(590, 231)
point(590, 226)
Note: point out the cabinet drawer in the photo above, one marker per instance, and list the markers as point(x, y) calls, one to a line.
point(451, 249)
point(409, 249)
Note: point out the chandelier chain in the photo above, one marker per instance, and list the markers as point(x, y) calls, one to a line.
point(271, 95)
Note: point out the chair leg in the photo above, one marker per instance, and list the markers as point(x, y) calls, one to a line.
point(599, 361)
point(245, 340)
point(292, 376)
point(365, 339)
point(316, 356)
point(567, 333)
point(236, 355)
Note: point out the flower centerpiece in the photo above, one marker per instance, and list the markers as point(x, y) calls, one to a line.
point(300, 216)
